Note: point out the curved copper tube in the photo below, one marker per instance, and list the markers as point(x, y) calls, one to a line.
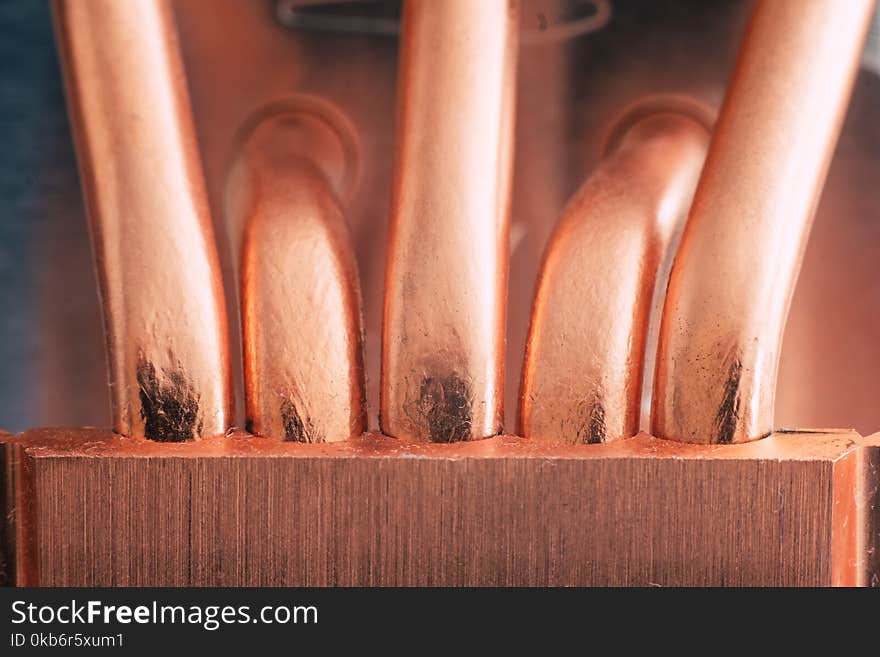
point(153, 241)
point(446, 277)
point(300, 296)
point(740, 254)
point(584, 362)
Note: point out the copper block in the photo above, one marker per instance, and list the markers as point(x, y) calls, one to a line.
point(793, 509)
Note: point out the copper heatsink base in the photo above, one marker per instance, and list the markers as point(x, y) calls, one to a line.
point(87, 508)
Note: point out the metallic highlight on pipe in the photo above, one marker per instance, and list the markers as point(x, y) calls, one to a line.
point(300, 296)
point(153, 241)
point(732, 281)
point(446, 277)
point(583, 369)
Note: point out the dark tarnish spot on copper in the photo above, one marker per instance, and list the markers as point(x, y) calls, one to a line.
point(298, 429)
point(169, 403)
point(597, 430)
point(590, 427)
point(443, 408)
point(728, 411)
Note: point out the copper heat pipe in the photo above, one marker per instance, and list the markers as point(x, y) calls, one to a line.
point(300, 296)
point(740, 254)
point(446, 276)
point(583, 369)
point(157, 263)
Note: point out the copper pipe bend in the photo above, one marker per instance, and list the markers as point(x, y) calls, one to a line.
point(300, 295)
point(732, 281)
point(153, 241)
point(584, 362)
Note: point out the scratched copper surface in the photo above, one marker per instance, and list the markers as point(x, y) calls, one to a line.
point(603, 267)
point(153, 240)
point(732, 281)
point(445, 307)
point(50, 331)
point(794, 509)
point(300, 294)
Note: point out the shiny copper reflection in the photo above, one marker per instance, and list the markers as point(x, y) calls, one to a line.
point(300, 296)
point(153, 241)
point(582, 375)
point(443, 334)
point(740, 254)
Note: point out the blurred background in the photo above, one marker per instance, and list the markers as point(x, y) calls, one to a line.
point(581, 63)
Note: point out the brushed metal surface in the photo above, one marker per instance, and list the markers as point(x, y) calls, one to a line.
point(94, 509)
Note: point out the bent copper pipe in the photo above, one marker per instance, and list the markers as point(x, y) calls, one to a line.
point(300, 296)
point(732, 281)
point(446, 276)
point(585, 354)
point(157, 262)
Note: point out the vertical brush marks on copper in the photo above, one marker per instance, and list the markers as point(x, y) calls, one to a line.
point(169, 404)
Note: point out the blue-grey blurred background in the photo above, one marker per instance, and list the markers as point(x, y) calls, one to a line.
point(46, 282)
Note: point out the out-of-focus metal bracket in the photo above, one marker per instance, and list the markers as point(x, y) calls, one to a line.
point(574, 18)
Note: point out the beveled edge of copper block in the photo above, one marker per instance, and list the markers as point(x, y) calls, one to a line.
point(868, 500)
point(854, 524)
point(97, 442)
